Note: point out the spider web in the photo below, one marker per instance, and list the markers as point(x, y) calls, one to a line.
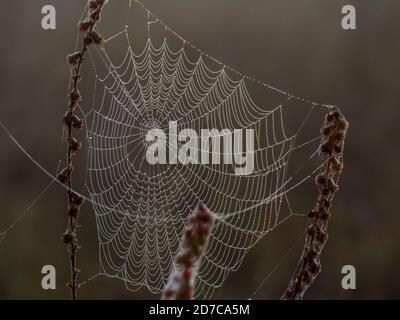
point(141, 209)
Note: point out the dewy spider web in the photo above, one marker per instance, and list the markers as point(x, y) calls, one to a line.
point(140, 208)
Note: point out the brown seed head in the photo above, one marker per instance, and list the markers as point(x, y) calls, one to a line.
point(68, 237)
point(75, 199)
point(93, 37)
point(85, 25)
point(73, 58)
point(63, 175)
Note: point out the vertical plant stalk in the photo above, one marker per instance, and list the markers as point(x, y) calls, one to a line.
point(73, 122)
point(331, 148)
point(181, 283)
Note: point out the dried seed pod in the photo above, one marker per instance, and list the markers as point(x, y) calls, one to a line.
point(73, 120)
point(338, 149)
point(306, 277)
point(311, 230)
point(74, 98)
point(96, 37)
point(312, 214)
point(314, 266)
point(332, 186)
point(325, 192)
point(93, 4)
point(77, 77)
point(326, 147)
point(67, 118)
point(311, 253)
point(289, 294)
point(326, 131)
point(68, 237)
point(73, 58)
point(85, 25)
point(203, 215)
point(342, 124)
point(70, 286)
point(75, 95)
point(93, 37)
point(326, 203)
point(338, 136)
point(320, 180)
point(77, 123)
point(76, 199)
point(336, 165)
point(325, 215)
point(95, 15)
point(74, 145)
point(321, 236)
point(63, 175)
point(332, 116)
point(88, 40)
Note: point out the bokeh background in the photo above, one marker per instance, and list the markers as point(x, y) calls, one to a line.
point(298, 46)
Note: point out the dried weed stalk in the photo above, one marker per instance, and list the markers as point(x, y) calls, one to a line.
point(73, 122)
point(331, 148)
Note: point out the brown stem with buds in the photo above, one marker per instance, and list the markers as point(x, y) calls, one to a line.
point(331, 148)
point(194, 242)
point(71, 122)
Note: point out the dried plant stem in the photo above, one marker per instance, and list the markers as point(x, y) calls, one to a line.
point(195, 238)
point(334, 133)
point(71, 122)
point(73, 221)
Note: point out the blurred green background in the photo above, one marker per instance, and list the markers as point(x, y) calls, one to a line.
point(298, 46)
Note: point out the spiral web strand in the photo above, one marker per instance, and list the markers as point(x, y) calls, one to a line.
point(141, 209)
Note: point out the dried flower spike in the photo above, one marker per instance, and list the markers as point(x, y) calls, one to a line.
point(180, 285)
point(331, 147)
point(85, 25)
